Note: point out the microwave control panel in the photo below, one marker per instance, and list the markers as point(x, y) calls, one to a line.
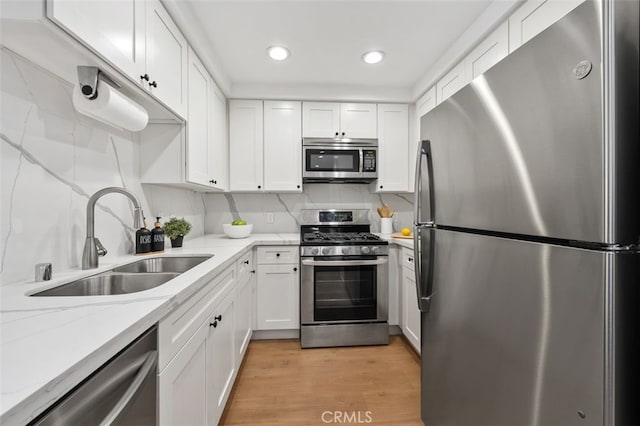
point(369, 160)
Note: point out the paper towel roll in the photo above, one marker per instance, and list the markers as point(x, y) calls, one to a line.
point(111, 107)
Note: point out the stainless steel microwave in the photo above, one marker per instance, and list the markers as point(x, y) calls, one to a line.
point(339, 160)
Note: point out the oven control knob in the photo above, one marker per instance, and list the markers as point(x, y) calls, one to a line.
point(375, 250)
point(364, 250)
point(326, 250)
point(314, 251)
point(345, 250)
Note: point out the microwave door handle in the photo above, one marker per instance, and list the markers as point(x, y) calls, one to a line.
point(361, 168)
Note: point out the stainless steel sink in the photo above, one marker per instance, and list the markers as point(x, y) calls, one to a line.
point(109, 283)
point(138, 276)
point(163, 264)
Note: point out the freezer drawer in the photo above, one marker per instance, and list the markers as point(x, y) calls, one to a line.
point(514, 334)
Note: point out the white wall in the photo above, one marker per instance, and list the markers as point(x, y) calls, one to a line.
point(224, 208)
point(53, 160)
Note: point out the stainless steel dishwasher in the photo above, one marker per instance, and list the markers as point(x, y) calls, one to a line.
point(121, 392)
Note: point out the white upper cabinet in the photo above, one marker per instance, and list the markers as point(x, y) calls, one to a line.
point(489, 52)
point(245, 145)
point(453, 81)
point(115, 30)
point(320, 119)
point(283, 146)
point(534, 16)
point(331, 120)
point(393, 148)
point(166, 50)
point(358, 120)
point(198, 122)
point(426, 103)
point(218, 146)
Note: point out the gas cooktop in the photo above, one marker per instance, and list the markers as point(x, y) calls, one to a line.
point(340, 237)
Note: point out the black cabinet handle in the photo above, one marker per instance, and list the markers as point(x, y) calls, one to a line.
point(410, 259)
point(295, 269)
point(213, 181)
point(144, 77)
point(213, 324)
point(153, 84)
point(253, 271)
point(246, 262)
point(218, 317)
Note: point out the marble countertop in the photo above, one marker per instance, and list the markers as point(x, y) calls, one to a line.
point(49, 344)
point(403, 242)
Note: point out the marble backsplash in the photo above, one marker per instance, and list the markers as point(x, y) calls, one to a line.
point(255, 208)
point(53, 160)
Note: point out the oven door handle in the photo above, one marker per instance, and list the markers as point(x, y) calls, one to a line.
point(381, 261)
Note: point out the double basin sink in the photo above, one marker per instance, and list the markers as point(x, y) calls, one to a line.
point(138, 276)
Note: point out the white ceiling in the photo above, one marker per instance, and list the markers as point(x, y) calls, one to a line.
point(326, 40)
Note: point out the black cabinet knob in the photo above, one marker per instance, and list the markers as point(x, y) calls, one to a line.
point(144, 77)
point(211, 181)
point(213, 324)
point(259, 186)
point(218, 317)
point(295, 269)
point(410, 259)
point(336, 133)
point(342, 133)
point(253, 271)
point(381, 186)
point(277, 254)
point(246, 262)
point(298, 186)
point(153, 84)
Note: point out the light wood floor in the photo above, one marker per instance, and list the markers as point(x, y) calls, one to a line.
point(279, 383)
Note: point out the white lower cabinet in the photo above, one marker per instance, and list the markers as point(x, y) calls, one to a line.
point(245, 310)
point(410, 311)
point(278, 288)
point(221, 358)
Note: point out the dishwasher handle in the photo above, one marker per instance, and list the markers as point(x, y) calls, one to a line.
point(148, 367)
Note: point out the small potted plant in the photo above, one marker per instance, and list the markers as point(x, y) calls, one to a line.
point(176, 229)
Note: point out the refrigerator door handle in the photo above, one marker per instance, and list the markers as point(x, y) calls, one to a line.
point(424, 290)
point(424, 151)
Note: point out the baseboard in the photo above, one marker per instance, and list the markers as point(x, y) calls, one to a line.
point(275, 334)
point(394, 330)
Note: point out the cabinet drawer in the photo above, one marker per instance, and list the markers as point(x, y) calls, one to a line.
point(274, 255)
point(244, 266)
point(408, 259)
point(178, 327)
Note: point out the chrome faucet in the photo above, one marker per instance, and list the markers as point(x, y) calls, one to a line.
point(92, 246)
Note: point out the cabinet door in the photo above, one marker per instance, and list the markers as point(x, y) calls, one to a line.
point(221, 359)
point(410, 311)
point(115, 30)
point(320, 120)
point(426, 103)
point(489, 52)
point(358, 120)
point(245, 145)
point(182, 384)
point(166, 59)
point(244, 316)
point(453, 81)
point(282, 137)
point(393, 148)
point(278, 297)
point(218, 158)
point(534, 16)
point(197, 167)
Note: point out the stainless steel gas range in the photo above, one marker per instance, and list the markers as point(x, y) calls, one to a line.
point(344, 288)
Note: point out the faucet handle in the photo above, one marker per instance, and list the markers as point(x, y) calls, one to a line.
point(44, 272)
point(100, 248)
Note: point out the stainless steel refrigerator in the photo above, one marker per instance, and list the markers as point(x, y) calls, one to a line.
point(527, 229)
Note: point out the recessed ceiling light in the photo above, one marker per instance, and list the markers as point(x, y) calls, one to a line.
point(278, 53)
point(373, 56)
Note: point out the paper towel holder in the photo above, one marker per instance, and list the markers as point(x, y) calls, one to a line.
point(88, 78)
